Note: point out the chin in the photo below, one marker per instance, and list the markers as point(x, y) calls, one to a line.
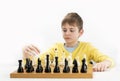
point(68, 41)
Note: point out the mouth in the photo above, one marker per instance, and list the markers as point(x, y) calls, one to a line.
point(67, 38)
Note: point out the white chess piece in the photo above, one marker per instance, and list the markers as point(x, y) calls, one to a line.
point(62, 61)
point(70, 60)
point(52, 62)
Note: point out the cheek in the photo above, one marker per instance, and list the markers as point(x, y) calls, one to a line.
point(63, 35)
point(76, 35)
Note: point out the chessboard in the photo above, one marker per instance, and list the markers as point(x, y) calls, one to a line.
point(89, 74)
point(50, 71)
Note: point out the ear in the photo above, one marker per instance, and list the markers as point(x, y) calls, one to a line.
point(81, 32)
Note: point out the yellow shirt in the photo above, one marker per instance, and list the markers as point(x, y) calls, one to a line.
point(84, 48)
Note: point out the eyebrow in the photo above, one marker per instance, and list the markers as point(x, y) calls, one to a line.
point(69, 28)
point(72, 28)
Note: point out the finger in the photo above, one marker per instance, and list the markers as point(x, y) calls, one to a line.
point(28, 49)
point(33, 49)
point(105, 68)
point(102, 68)
point(36, 48)
point(95, 68)
point(99, 66)
point(31, 53)
point(27, 54)
point(24, 49)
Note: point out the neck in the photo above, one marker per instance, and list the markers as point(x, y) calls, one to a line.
point(72, 44)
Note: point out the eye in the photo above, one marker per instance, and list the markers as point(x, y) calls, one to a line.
point(64, 30)
point(72, 30)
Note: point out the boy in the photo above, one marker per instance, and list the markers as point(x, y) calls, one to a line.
point(72, 28)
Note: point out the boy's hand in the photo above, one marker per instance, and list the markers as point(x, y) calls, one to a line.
point(30, 50)
point(102, 66)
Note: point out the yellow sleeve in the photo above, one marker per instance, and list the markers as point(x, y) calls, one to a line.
point(98, 56)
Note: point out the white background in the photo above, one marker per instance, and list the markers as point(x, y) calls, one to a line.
point(38, 22)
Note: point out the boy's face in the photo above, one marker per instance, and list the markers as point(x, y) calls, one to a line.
point(71, 33)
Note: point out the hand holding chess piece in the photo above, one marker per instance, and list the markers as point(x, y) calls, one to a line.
point(31, 52)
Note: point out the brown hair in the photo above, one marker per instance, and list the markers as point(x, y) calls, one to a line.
point(73, 19)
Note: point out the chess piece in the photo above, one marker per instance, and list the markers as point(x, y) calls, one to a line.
point(20, 68)
point(91, 62)
point(30, 68)
point(62, 60)
point(78, 62)
point(39, 68)
point(84, 66)
point(66, 67)
point(75, 67)
point(52, 62)
point(69, 58)
point(56, 69)
point(47, 68)
point(27, 63)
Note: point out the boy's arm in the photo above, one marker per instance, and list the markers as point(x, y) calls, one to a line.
point(102, 60)
point(33, 53)
point(102, 66)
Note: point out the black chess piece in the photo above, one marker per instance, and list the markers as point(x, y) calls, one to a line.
point(47, 68)
point(20, 68)
point(75, 67)
point(84, 66)
point(91, 62)
point(66, 67)
point(56, 69)
point(39, 68)
point(30, 67)
point(27, 62)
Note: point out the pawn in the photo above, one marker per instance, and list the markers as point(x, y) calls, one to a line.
point(39, 68)
point(75, 67)
point(69, 58)
point(47, 68)
point(66, 67)
point(84, 66)
point(27, 63)
point(56, 69)
point(30, 68)
point(20, 68)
